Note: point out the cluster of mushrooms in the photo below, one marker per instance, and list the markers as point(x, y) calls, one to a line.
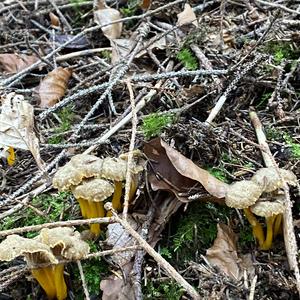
point(49, 248)
point(93, 180)
point(262, 196)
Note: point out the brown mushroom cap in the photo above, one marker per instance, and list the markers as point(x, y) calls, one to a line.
point(79, 167)
point(95, 189)
point(242, 194)
point(34, 251)
point(64, 242)
point(270, 180)
point(268, 208)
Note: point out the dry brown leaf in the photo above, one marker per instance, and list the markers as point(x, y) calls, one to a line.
point(53, 86)
point(223, 254)
point(187, 16)
point(173, 171)
point(17, 126)
point(145, 4)
point(14, 63)
point(105, 15)
point(54, 19)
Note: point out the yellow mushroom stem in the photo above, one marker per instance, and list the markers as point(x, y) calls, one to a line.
point(51, 279)
point(116, 200)
point(257, 229)
point(92, 209)
point(278, 225)
point(269, 238)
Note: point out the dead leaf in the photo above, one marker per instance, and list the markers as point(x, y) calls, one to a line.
point(187, 16)
point(14, 63)
point(117, 237)
point(223, 254)
point(116, 288)
point(105, 15)
point(145, 4)
point(173, 171)
point(122, 47)
point(79, 43)
point(54, 20)
point(53, 87)
point(17, 126)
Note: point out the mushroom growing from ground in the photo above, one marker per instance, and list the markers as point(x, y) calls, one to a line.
point(90, 194)
point(79, 167)
point(49, 248)
point(270, 180)
point(270, 210)
point(243, 194)
point(115, 169)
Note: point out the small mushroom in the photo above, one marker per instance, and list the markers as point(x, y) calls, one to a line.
point(243, 194)
point(90, 194)
point(270, 210)
point(49, 247)
point(115, 169)
point(79, 167)
point(270, 179)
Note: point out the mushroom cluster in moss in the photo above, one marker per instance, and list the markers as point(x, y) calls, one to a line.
point(93, 180)
point(253, 196)
point(49, 248)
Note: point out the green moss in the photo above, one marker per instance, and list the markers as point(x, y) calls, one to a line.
point(167, 290)
point(197, 229)
point(188, 59)
point(50, 205)
point(294, 147)
point(280, 50)
point(66, 116)
point(154, 124)
point(219, 173)
point(94, 271)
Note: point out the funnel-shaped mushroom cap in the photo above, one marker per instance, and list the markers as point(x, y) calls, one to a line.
point(114, 169)
point(270, 179)
point(79, 167)
point(64, 242)
point(95, 189)
point(34, 251)
point(268, 208)
point(242, 194)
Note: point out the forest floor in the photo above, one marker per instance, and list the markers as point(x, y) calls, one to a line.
point(208, 92)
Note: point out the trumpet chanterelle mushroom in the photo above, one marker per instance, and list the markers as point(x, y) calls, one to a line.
point(243, 194)
point(249, 196)
point(49, 247)
point(79, 176)
point(90, 194)
point(269, 210)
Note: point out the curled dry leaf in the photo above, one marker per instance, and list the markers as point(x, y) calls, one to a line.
point(105, 15)
point(17, 126)
point(223, 254)
point(54, 19)
point(174, 172)
point(187, 16)
point(53, 86)
point(14, 63)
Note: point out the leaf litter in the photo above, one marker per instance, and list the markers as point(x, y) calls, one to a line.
point(188, 161)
